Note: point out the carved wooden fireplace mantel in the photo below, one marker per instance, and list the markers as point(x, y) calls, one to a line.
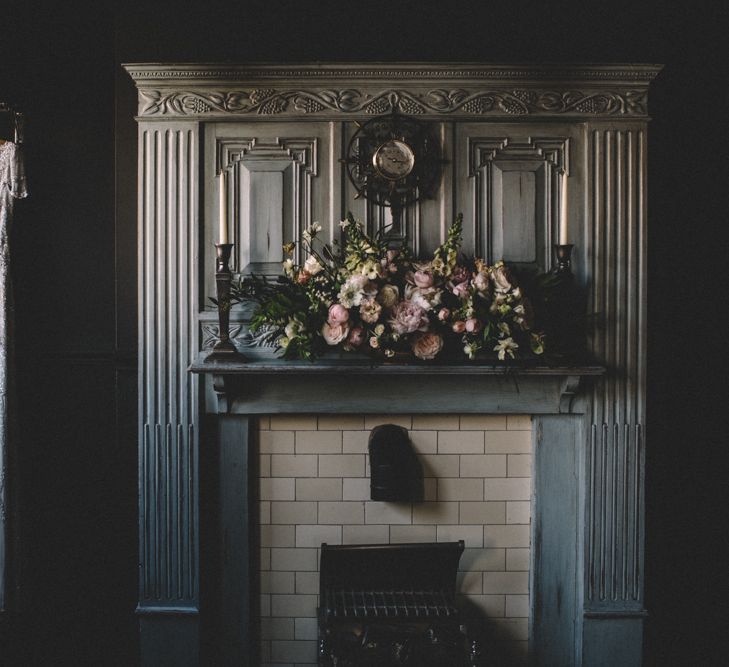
point(280, 130)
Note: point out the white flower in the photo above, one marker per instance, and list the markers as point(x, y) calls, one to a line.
point(506, 346)
point(315, 228)
point(425, 297)
point(283, 342)
point(380, 329)
point(353, 291)
point(371, 269)
point(344, 224)
point(312, 266)
point(388, 296)
point(389, 353)
point(311, 232)
point(504, 328)
point(288, 267)
point(293, 328)
point(470, 350)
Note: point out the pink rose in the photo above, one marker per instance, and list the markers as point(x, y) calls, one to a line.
point(356, 336)
point(460, 290)
point(459, 326)
point(334, 333)
point(473, 325)
point(338, 314)
point(406, 317)
point(427, 345)
point(444, 314)
point(423, 279)
point(303, 277)
point(460, 274)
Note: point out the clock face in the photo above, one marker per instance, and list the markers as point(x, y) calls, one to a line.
point(394, 160)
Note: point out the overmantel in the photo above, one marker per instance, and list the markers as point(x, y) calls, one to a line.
point(362, 386)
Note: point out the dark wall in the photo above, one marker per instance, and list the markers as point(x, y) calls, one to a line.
point(75, 254)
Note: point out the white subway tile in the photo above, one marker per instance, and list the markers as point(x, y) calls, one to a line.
point(517, 606)
point(377, 512)
point(264, 465)
point(276, 442)
point(460, 489)
point(469, 582)
point(306, 628)
point(341, 512)
point(265, 605)
point(313, 536)
point(293, 512)
point(357, 488)
point(307, 583)
point(434, 513)
point(460, 442)
point(511, 629)
point(482, 512)
point(439, 465)
point(520, 465)
point(483, 465)
point(430, 489)
point(406, 421)
point(277, 582)
point(341, 422)
point(293, 423)
point(506, 536)
point(512, 488)
point(264, 512)
point(293, 605)
point(506, 582)
point(277, 536)
point(294, 560)
point(487, 560)
point(424, 442)
point(355, 442)
point(293, 465)
point(277, 488)
point(519, 422)
point(517, 559)
point(277, 628)
point(508, 442)
point(264, 558)
point(483, 423)
point(293, 651)
point(518, 511)
point(471, 535)
point(410, 534)
point(341, 465)
point(490, 605)
point(313, 488)
point(365, 534)
point(263, 423)
point(435, 422)
point(318, 442)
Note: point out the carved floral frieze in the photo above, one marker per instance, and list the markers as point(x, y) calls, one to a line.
point(459, 101)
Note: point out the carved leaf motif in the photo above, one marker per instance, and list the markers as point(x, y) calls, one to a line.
point(348, 99)
point(211, 334)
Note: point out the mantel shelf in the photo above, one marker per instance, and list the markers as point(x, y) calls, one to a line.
point(365, 386)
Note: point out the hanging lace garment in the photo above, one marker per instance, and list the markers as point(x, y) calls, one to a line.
point(12, 187)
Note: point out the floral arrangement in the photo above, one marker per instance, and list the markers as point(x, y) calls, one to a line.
point(369, 297)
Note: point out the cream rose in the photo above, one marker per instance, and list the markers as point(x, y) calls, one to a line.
point(388, 296)
point(427, 345)
point(502, 277)
point(370, 311)
point(312, 266)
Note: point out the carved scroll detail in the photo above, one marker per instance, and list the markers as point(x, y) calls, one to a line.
point(269, 101)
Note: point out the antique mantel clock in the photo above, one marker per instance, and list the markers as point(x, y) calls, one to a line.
point(394, 160)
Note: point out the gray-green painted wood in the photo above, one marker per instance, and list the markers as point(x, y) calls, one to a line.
point(501, 127)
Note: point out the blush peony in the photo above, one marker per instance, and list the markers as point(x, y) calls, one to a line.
point(406, 317)
point(334, 333)
point(338, 314)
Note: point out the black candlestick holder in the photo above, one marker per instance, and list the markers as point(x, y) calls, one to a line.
point(564, 258)
point(224, 349)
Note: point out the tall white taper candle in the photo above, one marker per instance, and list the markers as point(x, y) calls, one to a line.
point(563, 211)
point(223, 208)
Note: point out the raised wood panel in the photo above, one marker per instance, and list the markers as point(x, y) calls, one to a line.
point(281, 179)
point(508, 187)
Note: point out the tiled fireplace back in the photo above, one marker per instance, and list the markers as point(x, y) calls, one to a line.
point(314, 488)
